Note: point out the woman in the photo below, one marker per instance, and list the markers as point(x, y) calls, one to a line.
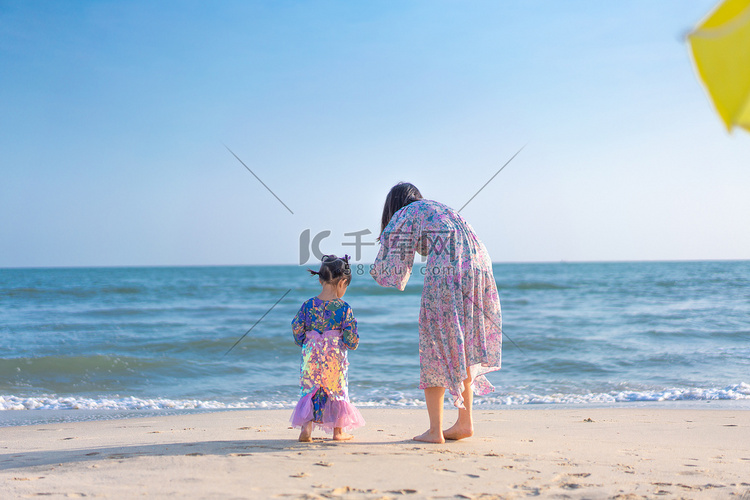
point(460, 335)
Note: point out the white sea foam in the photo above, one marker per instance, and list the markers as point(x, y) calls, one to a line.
point(126, 403)
point(739, 391)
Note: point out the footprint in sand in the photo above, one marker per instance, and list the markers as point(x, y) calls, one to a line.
point(533, 490)
point(627, 469)
point(685, 486)
point(570, 486)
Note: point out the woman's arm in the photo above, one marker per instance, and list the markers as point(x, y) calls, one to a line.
point(397, 245)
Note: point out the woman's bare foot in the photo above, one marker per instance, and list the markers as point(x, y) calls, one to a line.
point(430, 437)
point(457, 432)
point(342, 436)
point(305, 435)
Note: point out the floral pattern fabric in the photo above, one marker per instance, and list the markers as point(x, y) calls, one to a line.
point(460, 321)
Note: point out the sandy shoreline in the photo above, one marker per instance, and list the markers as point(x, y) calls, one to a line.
point(568, 453)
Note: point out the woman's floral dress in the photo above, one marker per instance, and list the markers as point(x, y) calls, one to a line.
point(460, 322)
point(326, 330)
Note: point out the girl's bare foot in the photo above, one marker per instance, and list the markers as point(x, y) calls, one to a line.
point(457, 432)
point(342, 436)
point(305, 435)
point(430, 437)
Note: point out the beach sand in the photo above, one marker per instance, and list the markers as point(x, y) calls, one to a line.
point(557, 453)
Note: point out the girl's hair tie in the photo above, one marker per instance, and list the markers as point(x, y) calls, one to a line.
point(333, 269)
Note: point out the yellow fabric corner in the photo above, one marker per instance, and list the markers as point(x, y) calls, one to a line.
point(721, 51)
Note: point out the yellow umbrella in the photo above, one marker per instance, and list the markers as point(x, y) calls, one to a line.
point(721, 51)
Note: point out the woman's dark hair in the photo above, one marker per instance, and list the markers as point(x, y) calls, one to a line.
point(333, 269)
point(398, 197)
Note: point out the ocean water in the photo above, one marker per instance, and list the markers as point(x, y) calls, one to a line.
point(122, 341)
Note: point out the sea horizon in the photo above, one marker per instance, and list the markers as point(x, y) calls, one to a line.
point(366, 263)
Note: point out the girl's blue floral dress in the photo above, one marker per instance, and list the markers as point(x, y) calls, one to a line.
point(326, 330)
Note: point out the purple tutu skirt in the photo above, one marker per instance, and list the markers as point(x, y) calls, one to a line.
point(336, 413)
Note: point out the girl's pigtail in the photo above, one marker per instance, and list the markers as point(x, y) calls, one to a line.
point(333, 268)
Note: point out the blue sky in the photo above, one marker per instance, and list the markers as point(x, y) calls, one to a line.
point(115, 116)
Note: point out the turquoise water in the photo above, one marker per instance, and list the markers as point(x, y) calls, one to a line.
point(125, 339)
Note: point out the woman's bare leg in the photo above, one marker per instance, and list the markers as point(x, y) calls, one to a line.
point(464, 426)
point(434, 398)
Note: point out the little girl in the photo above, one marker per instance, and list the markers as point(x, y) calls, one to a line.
point(325, 328)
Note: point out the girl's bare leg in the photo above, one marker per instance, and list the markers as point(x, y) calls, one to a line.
point(339, 435)
point(464, 426)
point(305, 434)
point(434, 398)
